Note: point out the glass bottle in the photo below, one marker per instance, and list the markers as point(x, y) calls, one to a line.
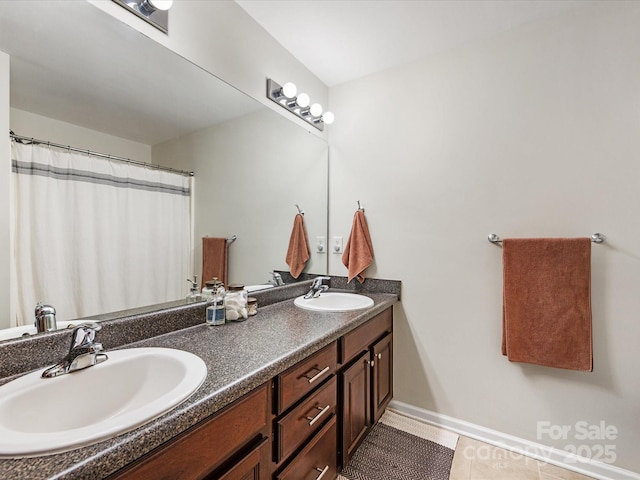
point(215, 311)
point(252, 306)
point(235, 303)
point(210, 289)
point(194, 292)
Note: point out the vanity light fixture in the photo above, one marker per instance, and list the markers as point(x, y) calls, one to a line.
point(287, 96)
point(155, 12)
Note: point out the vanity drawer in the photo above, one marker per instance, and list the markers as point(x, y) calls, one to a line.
point(365, 335)
point(206, 446)
point(303, 377)
point(303, 421)
point(318, 459)
point(253, 466)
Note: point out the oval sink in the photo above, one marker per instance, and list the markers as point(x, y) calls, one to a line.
point(334, 302)
point(41, 416)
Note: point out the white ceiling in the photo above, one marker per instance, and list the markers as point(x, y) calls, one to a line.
point(340, 40)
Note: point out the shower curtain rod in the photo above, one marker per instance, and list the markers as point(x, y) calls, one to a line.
point(35, 141)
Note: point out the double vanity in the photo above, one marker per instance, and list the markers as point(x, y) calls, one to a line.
point(287, 394)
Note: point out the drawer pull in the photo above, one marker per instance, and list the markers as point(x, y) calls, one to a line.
point(379, 356)
point(372, 363)
point(313, 420)
point(322, 471)
point(317, 375)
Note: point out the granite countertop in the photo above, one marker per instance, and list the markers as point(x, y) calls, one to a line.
point(239, 357)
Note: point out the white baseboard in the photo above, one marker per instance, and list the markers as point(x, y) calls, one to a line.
point(585, 466)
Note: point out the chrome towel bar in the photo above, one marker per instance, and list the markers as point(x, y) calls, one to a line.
point(595, 238)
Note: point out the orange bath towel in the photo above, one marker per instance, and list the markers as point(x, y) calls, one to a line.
point(298, 251)
point(547, 302)
point(215, 259)
point(358, 254)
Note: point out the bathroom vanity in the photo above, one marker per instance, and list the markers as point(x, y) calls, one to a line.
point(321, 411)
point(289, 394)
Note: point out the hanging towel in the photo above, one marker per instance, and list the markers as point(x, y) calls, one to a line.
point(298, 251)
point(215, 259)
point(358, 254)
point(547, 302)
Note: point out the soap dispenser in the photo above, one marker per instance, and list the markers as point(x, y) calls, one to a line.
point(194, 292)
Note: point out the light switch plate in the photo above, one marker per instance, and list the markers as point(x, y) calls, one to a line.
point(336, 244)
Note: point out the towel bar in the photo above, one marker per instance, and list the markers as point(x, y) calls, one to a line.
point(595, 238)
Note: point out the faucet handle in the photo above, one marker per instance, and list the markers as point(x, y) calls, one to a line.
point(83, 336)
point(323, 280)
point(276, 279)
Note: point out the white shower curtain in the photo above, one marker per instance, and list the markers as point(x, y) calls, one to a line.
point(95, 235)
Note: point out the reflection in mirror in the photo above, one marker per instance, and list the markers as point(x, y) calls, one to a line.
point(252, 171)
point(139, 100)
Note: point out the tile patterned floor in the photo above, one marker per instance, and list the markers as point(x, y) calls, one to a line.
point(476, 460)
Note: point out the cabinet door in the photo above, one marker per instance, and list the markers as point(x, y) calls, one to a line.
point(204, 448)
point(382, 376)
point(356, 417)
point(254, 465)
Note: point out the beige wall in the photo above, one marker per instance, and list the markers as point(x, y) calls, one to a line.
point(6, 284)
point(31, 125)
point(533, 133)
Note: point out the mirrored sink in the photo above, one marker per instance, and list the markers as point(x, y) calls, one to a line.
point(26, 330)
point(41, 416)
point(334, 302)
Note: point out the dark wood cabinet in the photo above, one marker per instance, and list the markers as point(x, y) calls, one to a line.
point(317, 460)
point(355, 404)
point(232, 441)
point(253, 466)
point(305, 376)
point(305, 424)
point(294, 428)
point(366, 381)
point(382, 385)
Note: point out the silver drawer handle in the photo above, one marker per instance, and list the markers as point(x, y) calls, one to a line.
point(313, 420)
point(322, 471)
point(317, 375)
point(379, 356)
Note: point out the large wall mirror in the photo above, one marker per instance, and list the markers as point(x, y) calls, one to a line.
point(81, 77)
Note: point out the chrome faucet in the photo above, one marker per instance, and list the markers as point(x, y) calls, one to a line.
point(319, 285)
point(276, 281)
point(83, 353)
point(45, 318)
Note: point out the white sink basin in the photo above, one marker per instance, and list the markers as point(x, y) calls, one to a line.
point(334, 302)
point(41, 416)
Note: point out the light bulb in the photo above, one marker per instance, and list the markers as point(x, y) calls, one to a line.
point(161, 4)
point(328, 118)
point(303, 100)
point(316, 110)
point(289, 90)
